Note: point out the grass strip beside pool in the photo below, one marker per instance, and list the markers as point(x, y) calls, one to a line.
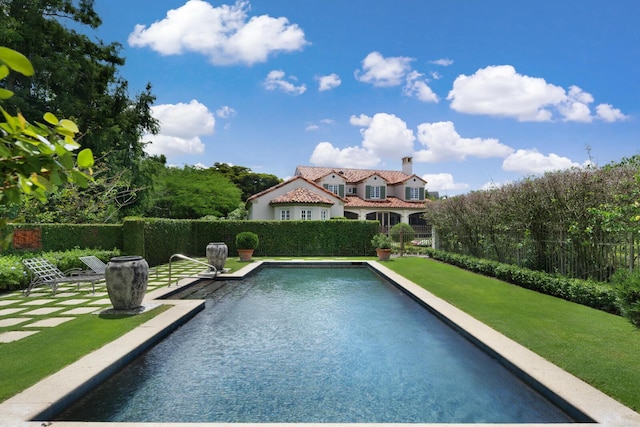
point(600, 348)
point(27, 361)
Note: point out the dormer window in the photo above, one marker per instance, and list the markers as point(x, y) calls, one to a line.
point(376, 192)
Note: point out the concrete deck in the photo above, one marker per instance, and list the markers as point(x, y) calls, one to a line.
point(58, 390)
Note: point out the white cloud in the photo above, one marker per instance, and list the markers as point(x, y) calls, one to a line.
point(312, 127)
point(443, 182)
point(501, 91)
point(532, 161)
point(276, 81)
point(361, 120)
point(325, 154)
point(225, 112)
point(383, 72)
point(388, 136)
point(328, 82)
point(419, 88)
point(181, 126)
point(609, 114)
point(444, 143)
point(224, 34)
point(445, 62)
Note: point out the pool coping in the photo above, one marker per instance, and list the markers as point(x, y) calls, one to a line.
point(58, 390)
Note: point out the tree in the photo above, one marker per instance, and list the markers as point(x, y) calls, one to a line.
point(36, 158)
point(193, 193)
point(78, 78)
point(247, 181)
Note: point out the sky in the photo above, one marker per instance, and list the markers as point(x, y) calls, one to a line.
point(479, 93)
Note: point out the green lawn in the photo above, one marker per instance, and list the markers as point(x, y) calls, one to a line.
point(600, 348)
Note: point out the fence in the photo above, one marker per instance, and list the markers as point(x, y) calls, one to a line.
point(596, 260)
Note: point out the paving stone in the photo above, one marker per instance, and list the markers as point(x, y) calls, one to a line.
point(7, 302)
point(39, 301)
point(48, 323)
point(15, 335)
point(9, 311)
point(103, 301)
point(42, 311)
point(75, 301)
point(4, 323)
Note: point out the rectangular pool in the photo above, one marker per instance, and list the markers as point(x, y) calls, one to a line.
point(314, 345)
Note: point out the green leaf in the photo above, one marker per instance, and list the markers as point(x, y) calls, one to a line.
point(16, 61)
point(81, 179)
point(51, 118)
point(4, 71)
point(5, 94)
point(69, 125)
point(85, 158)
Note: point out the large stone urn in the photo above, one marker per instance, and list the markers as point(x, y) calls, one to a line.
point(126, 278)
point(217, 253)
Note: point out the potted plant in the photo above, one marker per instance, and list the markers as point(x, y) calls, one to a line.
point(246, 242)
point(382, 243)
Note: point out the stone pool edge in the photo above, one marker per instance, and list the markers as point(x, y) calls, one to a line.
point(61, 388)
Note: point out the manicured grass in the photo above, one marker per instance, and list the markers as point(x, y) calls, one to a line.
point(25, 362)
point(600, 348)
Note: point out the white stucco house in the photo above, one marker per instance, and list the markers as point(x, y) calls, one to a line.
point(322, 193)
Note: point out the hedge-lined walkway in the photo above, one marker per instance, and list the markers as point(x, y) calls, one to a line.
point(22, 316)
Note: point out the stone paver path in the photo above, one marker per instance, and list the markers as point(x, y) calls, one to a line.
point(22, 316)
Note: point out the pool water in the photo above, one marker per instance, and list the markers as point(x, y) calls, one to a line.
point(321, 345)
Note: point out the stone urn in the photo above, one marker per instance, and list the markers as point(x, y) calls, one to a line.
point(217, 254)
point(126, 278)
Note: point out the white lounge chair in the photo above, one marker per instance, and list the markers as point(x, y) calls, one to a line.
point(43, 273)
point(94, 263)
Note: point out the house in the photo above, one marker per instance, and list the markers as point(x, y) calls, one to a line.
point(322, 193)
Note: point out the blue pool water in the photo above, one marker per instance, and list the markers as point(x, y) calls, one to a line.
point(315, 345)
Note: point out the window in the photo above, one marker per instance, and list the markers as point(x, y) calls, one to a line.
point(334, 188)
point(352, 190)
point(375, 193)
point(285, 215)
point(324, 214)
point(414, 193)
point(305, 214)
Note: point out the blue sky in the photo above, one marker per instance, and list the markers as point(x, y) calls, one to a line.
point(478, 92)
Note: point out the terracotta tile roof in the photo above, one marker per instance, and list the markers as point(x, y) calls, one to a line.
point(301, 195)
point(313, 173)
point(389, 202)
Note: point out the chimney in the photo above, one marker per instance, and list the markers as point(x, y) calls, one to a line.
point(407, 166)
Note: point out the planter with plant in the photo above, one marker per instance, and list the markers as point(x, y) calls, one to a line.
point(382, 243)
point(246, 242)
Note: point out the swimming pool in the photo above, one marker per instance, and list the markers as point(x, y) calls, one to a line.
point(319, 345)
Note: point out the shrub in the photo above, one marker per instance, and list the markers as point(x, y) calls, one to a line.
point(381, 241)
point(404, 230)
point(247, 240)
point(627, 287)
point(597, 295)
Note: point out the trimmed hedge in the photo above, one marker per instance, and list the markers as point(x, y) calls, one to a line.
point(593, 294)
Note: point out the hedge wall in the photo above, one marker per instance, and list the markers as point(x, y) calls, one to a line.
point(60, 237)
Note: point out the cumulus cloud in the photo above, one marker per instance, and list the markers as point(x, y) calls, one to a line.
point(388, 136)
point(325, 154)
point(444, 143)
point(417, 87)
point(225, 34)
point(328, 82)
point(383, 72)
point(443, 182)
point(395, 71)
point(501, 91)
point(276, 81)
point(181, 126)
point(609, 114)
point(534, 162)
point(361, 120)
point(384, 136)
